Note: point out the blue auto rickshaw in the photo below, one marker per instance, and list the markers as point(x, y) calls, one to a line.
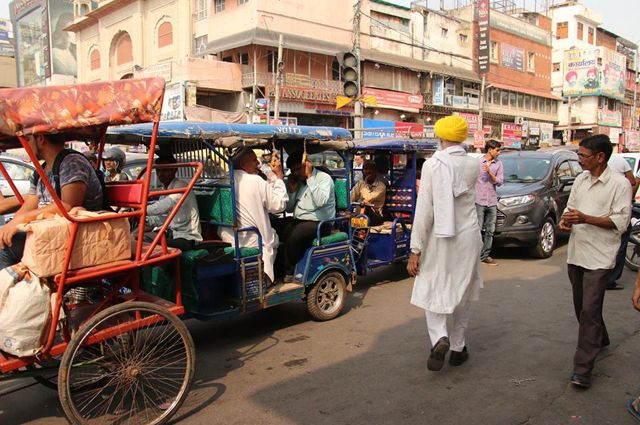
point(379, 246)
point(220, 280)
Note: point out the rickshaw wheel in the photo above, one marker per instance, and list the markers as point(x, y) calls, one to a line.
point(138, 371)
point(327, 296)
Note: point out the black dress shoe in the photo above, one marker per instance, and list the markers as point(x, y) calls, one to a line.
point(582, 381)
point(436, 359)
point(458, 357)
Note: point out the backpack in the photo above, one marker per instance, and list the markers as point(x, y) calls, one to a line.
point(55, 171)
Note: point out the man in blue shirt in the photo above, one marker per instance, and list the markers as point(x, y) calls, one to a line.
point(311, 200)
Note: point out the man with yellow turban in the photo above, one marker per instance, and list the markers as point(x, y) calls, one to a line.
point(446, 243)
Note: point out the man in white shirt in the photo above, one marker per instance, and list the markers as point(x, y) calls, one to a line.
point(255, 199)
point(184, 229)
point(597, 214)
point(620, 165)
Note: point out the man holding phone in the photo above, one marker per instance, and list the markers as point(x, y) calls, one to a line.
point(597, 214)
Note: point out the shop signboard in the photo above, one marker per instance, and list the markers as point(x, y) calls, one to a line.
point(173, 102)
point(262, 105)
point(512, 57)
point(395, 100)
point(301, 94)
point(438, 90)
point(609, 118)
point(478, 139)
point(613, 74)
point(511, 135)
point(483, 12)
point(581, 76)
point(472, 121)
point(375, 129)
point(632, 140)
point(7, 50)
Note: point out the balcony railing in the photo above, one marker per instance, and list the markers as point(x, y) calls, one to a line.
point(292, 80)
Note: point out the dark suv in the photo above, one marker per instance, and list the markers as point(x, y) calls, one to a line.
point(535, 192)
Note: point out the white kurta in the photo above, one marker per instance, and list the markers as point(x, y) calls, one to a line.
point(448, 266)
point(255, 199)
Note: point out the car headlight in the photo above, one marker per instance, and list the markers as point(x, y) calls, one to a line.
point(512, 201)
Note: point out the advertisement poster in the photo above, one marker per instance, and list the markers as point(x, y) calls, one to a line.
point(614, 67)
point(632, 141)
point(375, 129)
point(512, 57)
point(472, 121)
point(395, 100)
point(63, 43)
point(438, 90)
point(546, 132)
point(581, 76)
point(173, 102)
point(511, 135)
point(483, 12)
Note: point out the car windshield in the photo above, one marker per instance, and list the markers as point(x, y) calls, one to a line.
point(518, 169)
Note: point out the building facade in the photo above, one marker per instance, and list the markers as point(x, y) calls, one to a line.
point(8, 74)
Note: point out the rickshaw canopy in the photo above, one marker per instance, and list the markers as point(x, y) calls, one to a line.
point(395, 144)
point(81, 110)
point(225, 135)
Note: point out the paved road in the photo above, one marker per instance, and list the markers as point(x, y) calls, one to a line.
point(369, 365)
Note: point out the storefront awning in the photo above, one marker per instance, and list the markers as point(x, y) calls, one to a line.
point(525, 90)
point(418, 65)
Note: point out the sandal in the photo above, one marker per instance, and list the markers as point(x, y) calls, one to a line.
point(633, 406)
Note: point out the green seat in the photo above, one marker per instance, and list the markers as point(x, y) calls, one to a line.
point(342, 194)
point(216, 206)
point(244, 251)
point(332, 238)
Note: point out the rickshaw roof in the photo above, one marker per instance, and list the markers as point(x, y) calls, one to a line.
point(396, 144)
point(228, 135)
point(82, 111)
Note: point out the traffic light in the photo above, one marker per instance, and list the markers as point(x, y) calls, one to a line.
point(350, 77)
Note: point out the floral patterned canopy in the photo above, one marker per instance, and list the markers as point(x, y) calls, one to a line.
point(79, 109)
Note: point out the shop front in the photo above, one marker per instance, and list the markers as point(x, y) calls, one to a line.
point(309, 106)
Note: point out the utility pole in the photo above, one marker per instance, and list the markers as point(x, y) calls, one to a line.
point(357, 120)
point(254, 89)
point(279, 67)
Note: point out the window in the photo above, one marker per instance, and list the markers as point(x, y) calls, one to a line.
point(494, 51)
point(271, 61)
point(496, 96)
point(520, 101)
point(16, 171)
point(504, 96)
point(94, 59)
point(444, 32)
point(564, 170)
point(165, 34)
point(335, 70)
point(227, 59)
point(488, 96)
point(580, 31)
point(531, 61)
point(562, 30)
point(463, 38)
point(513, 99)
point(591, 34)
point(556, 67)
point(527, 102)
point(243, 58)
point(124, 50)
point(242, 2)
point(219, 5)
point(200, 44)
point(201, 9)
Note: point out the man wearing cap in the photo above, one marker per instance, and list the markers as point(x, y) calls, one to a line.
point(446, 244)
point(255, 199)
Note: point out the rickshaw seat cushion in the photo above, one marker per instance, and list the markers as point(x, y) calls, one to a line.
point(124, 193)
point(332, 238)
point(216, 206)
point(246, 251)
point(342, 194)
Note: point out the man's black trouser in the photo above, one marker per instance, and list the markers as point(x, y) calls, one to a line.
point(588, 297)
point(616, 272)
point(295, 237)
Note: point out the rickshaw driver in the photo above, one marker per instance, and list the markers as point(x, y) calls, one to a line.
point(371, 193)
point(79, 187)
point(311, 200)
point(184, 230)
point(255, 199)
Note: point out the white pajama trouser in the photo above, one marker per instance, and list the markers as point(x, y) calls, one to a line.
point(437, 325)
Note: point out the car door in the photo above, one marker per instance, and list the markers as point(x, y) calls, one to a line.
point(563, 169)
point(20, 174)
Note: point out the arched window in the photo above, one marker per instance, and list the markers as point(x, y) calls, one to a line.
point(124, 50)
point(165, 34)
point(94, 59)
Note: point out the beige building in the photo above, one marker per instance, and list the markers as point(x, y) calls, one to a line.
point(8, 75)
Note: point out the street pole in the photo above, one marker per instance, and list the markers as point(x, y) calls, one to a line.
point(357, 121)
point(254, 88)
point(279, 66)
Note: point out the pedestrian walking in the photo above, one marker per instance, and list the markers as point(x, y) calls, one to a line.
point(597, 214)
point(446, 244)
point(490, 177)
point(620, 165)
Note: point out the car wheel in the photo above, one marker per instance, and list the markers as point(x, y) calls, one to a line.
point(546, 240)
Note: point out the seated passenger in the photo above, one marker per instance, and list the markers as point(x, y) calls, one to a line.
point(114, 160)
point(255, 199)
point(311, 200)
point(184, 230)
point(79, 187)
point(370, 193)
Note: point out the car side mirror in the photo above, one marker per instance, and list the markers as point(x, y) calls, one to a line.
point(566, 181)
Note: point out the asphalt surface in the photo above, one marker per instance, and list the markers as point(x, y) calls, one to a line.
point(369, 365)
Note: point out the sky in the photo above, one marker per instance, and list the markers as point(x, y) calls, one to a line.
point(621, 17)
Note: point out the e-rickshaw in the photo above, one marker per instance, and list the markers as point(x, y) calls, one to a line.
point(389, 243)
point(221, 280)
point(122, 356)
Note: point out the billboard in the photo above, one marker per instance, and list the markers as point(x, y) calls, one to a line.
point(375, 129)
point(438, 90)
point(613, 74)
point(173, 102)
point(32, 41)
point(581, 76)
point(512, 57)
point(483, 12)
point(511, 135)
point(63, 44)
